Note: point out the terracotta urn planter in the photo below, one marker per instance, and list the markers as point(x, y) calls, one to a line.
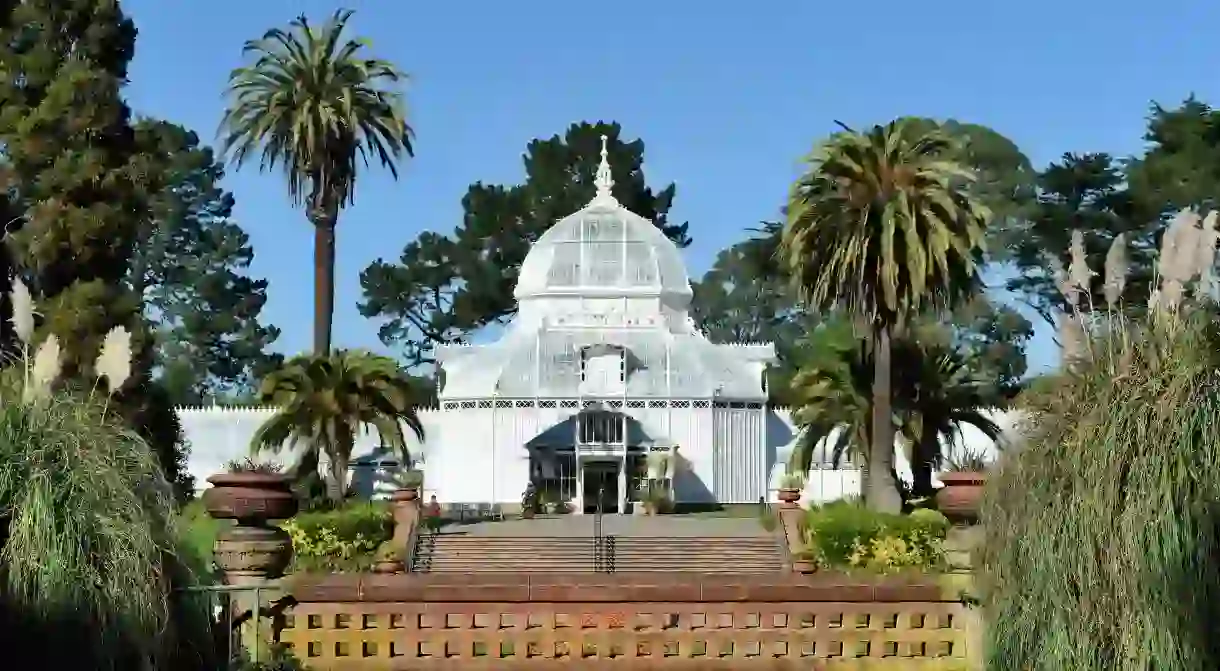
point(961, 495)
point(404, 494)
point(804, 566)
point(250, 497)
point(789, 495)
point(252, 552)
point(385, 566)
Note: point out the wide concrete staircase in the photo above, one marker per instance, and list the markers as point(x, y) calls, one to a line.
point(460, 553)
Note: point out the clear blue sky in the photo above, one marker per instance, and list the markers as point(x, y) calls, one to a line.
point(727, 97)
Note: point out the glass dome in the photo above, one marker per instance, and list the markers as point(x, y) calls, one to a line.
point(603, 250)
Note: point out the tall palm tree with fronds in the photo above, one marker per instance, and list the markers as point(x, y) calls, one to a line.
point(312, 104)
point(323, 402)
point(883, 226)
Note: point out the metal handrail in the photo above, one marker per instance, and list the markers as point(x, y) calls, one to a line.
point(599, 548)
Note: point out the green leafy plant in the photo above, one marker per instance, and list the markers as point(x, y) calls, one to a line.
point(844, 534)
point(792, 480)
point(1103, 528)
point(89, 533)
point(249, 465)
point(344, 539)
point(278, 657)
point(389, 551)
point(323, 401)
point(966, 459)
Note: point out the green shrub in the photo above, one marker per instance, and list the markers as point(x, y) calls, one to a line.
point(345, 539)
point(89, 540)
point(845, 534)
point(1102, 532)
point(1104, 528)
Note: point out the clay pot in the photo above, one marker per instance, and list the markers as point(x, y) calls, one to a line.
point(804, 566)
point(264, 551)
point(404, 494)
point(250, 498)
point(527, 513)
point(960, 498)
point(388, 566)
point(789, 495)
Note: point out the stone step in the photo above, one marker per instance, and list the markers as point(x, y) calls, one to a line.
point(458, 553)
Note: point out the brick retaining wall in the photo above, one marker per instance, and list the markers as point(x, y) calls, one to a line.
point(625, 621)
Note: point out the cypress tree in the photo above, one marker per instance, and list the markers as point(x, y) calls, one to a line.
point(80, 184)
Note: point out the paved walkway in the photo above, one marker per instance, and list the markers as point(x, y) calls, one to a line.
point(579, 526)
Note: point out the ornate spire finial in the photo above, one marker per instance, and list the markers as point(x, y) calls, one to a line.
point(604, 182)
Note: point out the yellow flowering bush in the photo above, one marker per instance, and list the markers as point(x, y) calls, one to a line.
point(345, 539)
point(847, 535)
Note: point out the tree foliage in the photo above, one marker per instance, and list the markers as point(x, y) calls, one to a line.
point(76, 174)
point(73, 164)
point(314, 105)
point(1102, 197)
point(325, 401)
point(189, 269)
point(884, 226)
point(1103, 527)
point(443, 288)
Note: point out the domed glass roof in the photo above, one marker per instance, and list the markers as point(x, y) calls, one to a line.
point(603, 250)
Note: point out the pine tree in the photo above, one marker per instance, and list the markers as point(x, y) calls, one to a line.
point(70, 147)
point(80, 187)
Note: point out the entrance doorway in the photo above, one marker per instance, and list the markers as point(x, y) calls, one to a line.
point(600, 479)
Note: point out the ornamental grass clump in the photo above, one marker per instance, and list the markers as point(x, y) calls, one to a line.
point(88, 537)
point(1102, 534)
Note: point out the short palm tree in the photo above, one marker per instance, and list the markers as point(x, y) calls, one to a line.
point(318, 109)
point(830, 396)
point(324, 402)
point(883, 226)
point(938, 395)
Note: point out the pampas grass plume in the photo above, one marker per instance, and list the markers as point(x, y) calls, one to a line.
point(1116, 271)
point(1205, 257)
point(114, 361)
point(1078, 271)
point(46, 369)
point(23, 311)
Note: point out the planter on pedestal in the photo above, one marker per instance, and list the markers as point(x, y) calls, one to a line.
point(804, 565)
point(789, 494)
point(252, 550)
point(961, 496)
point(404, 503)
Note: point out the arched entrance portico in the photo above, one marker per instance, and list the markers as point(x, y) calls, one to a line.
point(595, 455)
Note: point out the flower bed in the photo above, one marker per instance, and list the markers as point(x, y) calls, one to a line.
point(341, 540)
point(845, 535)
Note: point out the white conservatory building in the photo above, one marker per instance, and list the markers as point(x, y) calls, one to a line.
point(601, 366)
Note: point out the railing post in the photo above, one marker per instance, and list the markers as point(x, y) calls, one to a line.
point(791, 518)
point(404, 504)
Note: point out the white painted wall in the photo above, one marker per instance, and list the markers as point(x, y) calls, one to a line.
point(476, 454)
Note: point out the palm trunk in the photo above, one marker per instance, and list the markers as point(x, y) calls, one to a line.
point(921, 464)
point(323, 277)
point(882, 488)
point(336, 484)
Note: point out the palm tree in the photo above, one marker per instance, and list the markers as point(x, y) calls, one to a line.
point(323, 402)
point(883, 226)
point(830, 394)
point(317, 108)
point(937, 396)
